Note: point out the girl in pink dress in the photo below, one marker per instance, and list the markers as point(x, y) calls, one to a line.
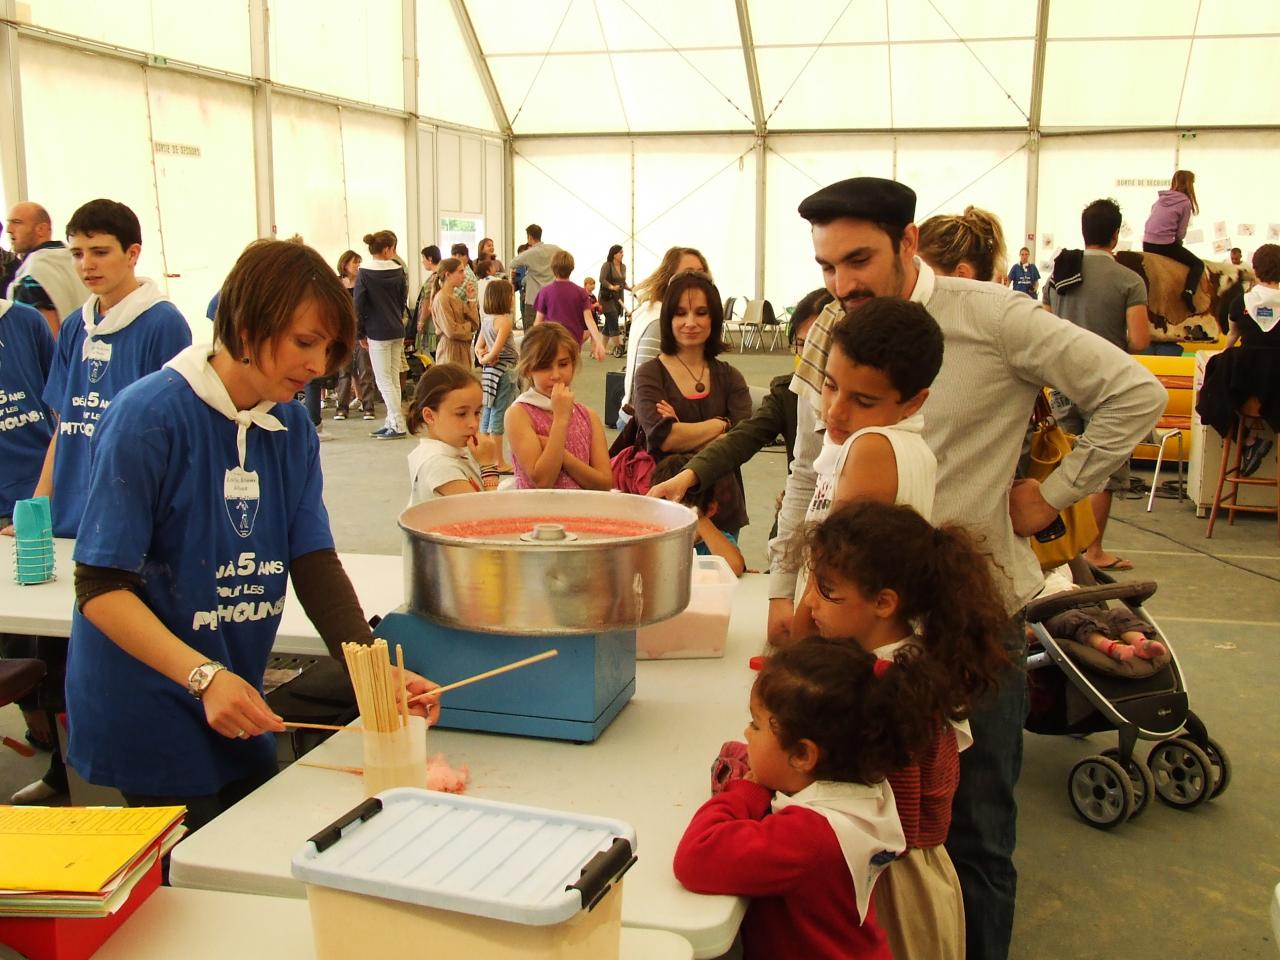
point(555, 441)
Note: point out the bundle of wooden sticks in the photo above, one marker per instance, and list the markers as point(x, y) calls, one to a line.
point(376, 684)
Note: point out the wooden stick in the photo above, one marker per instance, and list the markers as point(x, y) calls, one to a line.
point(404, 687)
point(358, 771)
point(546, 655)
point(290, 725)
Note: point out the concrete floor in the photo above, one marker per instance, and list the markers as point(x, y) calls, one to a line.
point(1170, 884)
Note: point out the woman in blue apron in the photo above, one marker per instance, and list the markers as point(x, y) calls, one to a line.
point(204, 501)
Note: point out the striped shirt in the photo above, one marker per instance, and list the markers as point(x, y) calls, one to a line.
point(1001, 348)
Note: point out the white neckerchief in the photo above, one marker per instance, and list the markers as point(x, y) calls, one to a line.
point(4, 306)
point(121, 315)
point(963, 732)
point(824, 464)
point(534, 399)
point(865, 821)
point(194, 367)
point(1269, 301)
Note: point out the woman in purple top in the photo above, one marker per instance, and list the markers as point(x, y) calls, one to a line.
point(564, 302)
point(685, 398)
point(1167, 225)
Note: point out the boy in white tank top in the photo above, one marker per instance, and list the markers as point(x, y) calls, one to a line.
point(883, 358)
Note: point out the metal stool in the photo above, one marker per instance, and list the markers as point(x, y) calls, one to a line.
point(1249, 414)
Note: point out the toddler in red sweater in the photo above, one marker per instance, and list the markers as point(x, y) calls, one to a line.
point(808, 830)
point(923, 599)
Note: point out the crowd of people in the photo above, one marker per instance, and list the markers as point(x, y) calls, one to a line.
point(875, 814)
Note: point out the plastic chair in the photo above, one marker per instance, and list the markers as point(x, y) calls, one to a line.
point(1166, 429)
point(18, 678)
point(755, 318)
point(730, 324)
point(1249, 415)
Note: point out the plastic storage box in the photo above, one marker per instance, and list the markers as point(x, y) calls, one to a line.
point(702, 629)
point(460, 876)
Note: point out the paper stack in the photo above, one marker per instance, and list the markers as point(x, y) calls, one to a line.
point(69, 876)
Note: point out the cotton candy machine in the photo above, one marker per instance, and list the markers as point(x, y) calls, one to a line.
point(495, 577)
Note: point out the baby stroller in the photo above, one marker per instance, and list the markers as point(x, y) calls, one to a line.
point(1077, 690)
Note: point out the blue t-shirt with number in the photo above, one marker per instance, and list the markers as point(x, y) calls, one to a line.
point(1024, 278)
point(80, 389)
point(26, 424)
point(214, 563)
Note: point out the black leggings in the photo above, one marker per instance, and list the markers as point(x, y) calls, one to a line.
point(1176, 251)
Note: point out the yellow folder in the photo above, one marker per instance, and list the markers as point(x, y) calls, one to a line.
point(75, 849)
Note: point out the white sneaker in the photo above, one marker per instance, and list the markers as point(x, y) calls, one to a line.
point(33, 793)
point(322, 434)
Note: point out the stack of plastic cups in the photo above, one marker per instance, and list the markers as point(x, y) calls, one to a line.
point(33, 541)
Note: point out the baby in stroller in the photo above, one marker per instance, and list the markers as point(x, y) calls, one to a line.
point(1096, 662)
point(1116, 631)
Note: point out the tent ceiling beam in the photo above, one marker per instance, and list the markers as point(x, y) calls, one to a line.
point(749, 56)
point(482, 67)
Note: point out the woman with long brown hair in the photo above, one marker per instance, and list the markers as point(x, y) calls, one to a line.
point(453, 321)
point(643, 338)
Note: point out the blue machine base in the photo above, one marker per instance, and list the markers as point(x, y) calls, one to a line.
point(573, 696)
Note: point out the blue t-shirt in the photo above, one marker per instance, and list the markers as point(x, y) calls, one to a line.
point(79, 392)
point(1023, 279)
point(214, 564)
point(26, 424)
point(211, 311)
point(701, 549)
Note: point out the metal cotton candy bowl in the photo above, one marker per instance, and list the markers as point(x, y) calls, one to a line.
point(509, 578)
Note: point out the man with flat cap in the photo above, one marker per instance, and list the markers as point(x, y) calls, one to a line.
point(1001, 348)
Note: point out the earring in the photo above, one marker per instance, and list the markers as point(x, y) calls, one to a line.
point(245, 361)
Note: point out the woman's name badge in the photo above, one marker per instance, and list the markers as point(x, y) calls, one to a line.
point(240, 491)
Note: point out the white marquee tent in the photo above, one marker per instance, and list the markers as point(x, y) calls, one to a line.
point(642, 122)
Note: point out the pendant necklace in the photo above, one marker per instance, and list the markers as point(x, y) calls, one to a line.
point(698, 385)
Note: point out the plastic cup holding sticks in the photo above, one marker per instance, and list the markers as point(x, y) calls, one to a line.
point(397, 758)
point(395, 742)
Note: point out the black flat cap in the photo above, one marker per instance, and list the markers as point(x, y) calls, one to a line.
point(862, 198)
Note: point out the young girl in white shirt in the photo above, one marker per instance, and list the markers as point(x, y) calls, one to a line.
point(450, 457)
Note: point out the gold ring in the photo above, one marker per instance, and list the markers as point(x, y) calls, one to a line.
point(241, 734)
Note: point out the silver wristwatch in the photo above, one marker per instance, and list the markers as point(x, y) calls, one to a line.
point(199, 679)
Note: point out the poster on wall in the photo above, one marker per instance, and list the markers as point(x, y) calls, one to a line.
point(1244, 229)
point(1046, 241)
point(1273, 233)
point(1220, 230)
point(1221, 245)
point(1194, 236)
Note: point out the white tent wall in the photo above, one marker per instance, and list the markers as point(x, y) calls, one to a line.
point(948, 171)
point(217, 36)
point(685, 191)
point(130, 101)
point(206, 202)
point(346, 49)
point(78, 150)
point(373, 164)
point(1131, 167)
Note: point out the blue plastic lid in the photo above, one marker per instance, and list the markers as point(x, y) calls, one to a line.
point(480, 857)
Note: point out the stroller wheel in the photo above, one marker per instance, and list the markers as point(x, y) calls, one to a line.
point(1140, 778)
point(1101, 792)
point(1221, 766)
point(1184, 774)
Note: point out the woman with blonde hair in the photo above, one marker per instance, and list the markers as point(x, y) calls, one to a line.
point(969, 245)
point(1167, 226)
point(453, 321)
point(644, 341)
